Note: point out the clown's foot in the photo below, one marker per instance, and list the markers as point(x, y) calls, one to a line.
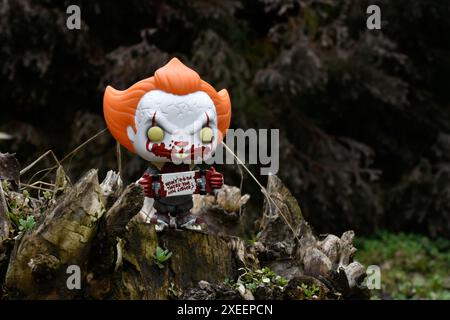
point(160, 220)
point(190, 221)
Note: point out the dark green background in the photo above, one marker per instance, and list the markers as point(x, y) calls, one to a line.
point(363, 115)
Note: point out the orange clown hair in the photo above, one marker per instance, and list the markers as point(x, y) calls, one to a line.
point(119, 107)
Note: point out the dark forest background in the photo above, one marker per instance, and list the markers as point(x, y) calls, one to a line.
point(363, 115)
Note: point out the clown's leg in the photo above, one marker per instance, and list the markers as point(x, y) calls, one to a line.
point(160, 220)
point(147, 210)
point(187, 220)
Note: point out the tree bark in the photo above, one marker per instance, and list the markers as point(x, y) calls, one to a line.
point(40, 258)
point(98, 228)
point(4, 223)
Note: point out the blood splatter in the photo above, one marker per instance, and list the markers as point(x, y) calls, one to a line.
point(207, 119)
point(160, 150)
point(154, 119)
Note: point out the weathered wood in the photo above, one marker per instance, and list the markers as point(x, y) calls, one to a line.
point(38, 263)
point(113, 226)
point(115, 249)
point(296, 252)
point(125, 208)
point(279, 218)
point(112, 187)
point(9, 168)
point(4, 222)
point(9, 171)
point(224, 212)
point(211, 291)
point(195, 256)
point(6, 246)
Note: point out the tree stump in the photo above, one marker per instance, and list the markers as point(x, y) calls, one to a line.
point(195, 257)
point(97, 228)
point(40, 258)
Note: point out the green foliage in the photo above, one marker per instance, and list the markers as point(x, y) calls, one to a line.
point(20, 212)
point(264, 277)
point(5, 185)
point(229, 282)
point(338, 92)
point(26, 224)
point(412, 266)
point(48, 195)
point(160, 256)
point(255, 238)
point(174, 292)
point(310, 292)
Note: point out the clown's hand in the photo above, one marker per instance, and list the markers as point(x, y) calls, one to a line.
point(146, 183)
point(214, 178)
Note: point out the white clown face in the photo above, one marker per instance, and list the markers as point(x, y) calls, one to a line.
point(175, 128)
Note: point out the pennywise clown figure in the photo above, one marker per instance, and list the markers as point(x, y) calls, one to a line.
point(174, 120)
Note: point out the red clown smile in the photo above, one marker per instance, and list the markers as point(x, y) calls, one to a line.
point(160, 150)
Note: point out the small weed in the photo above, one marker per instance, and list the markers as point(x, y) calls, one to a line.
point(254, 239)
point(48, 195)
point(174, 292)
point(20, 211)
point(310, 292)
point(160, 256)
point(264, 277)
point(26, 224)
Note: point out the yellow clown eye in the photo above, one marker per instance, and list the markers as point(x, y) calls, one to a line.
point(155, 134)
point(206, 135)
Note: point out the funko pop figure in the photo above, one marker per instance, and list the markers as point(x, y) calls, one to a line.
point(174, 120)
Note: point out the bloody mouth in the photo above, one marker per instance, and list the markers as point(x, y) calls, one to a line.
point(160, 150)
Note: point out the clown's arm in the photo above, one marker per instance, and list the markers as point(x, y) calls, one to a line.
point(147, 209)
point(214, 180)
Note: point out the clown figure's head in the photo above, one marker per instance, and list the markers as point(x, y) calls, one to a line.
point(173, 116)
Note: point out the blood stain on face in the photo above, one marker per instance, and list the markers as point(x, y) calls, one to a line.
point(160, 150)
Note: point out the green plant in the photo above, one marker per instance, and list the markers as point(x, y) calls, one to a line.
point(160, 256)
point(6, 185)
point(310, 292)
point(27, 224)
point(412, 266)
point(254, 239)
point(174, 292)
point(20, 211)
point(264, 277)
point(48, 195)
point(229, 282)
